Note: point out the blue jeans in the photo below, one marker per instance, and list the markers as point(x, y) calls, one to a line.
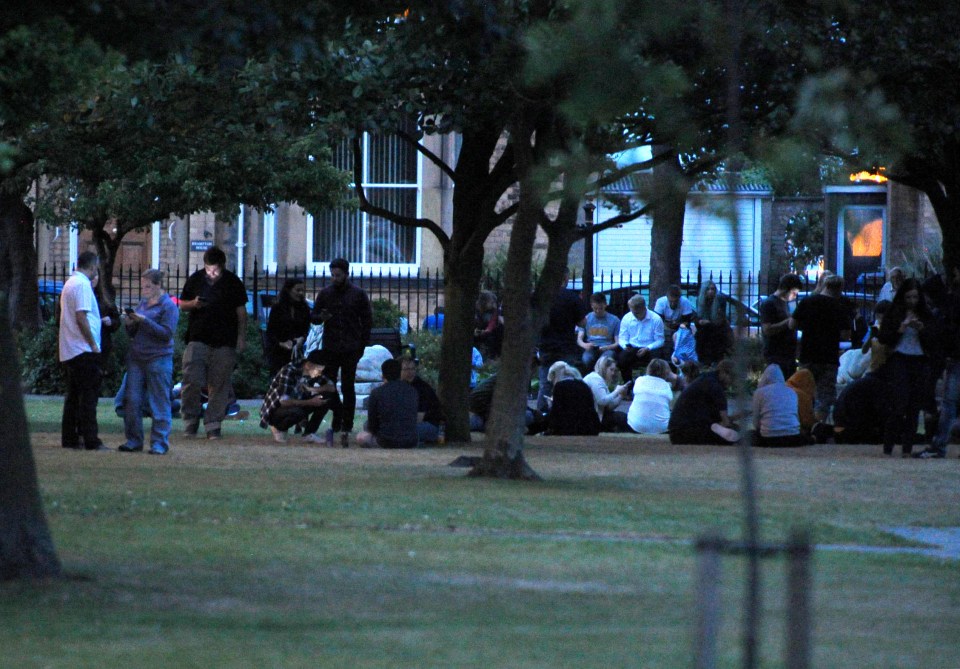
point(148, 383)
point(948, 407)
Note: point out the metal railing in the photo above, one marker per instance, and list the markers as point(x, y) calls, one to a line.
point(417, 293)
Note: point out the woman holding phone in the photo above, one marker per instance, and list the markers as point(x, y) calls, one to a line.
point(151, 327)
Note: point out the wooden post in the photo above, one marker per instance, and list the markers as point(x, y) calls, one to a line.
point(708, 601)
point(798, 602)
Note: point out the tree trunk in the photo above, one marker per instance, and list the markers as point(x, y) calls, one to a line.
point(666, 234)
point(18, 262)
point(26, 547)
point(946, 205)
point(463, 268)
point(503, 447)
point(107, 248)
point(461, 288)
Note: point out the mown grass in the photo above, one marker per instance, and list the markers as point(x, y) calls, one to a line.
point(243, 553)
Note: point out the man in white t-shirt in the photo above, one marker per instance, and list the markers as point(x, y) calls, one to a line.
point(79, 348)
point(674, 309)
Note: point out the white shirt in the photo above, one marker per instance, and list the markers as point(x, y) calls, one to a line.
point(77, 295)
point(603, 397)
point(662, 308)
point(647, 333)
point(650, 410)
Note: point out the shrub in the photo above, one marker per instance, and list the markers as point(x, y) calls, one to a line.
point(41, 372)
point(386, 314)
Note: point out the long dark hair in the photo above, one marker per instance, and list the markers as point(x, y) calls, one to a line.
point(899, 299)
point(283, 299)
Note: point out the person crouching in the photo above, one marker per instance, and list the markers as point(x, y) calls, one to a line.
point(301, 393)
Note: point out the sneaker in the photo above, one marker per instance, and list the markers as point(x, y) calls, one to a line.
point(127, 448)
point(158, 450)
point(930, 454)
point(214, 435)
point(725, 433)
point(243, 414)
point(344, 440)
point(279, 435)
point(313, 438)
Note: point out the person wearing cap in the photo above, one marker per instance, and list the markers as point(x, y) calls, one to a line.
point(301, 392)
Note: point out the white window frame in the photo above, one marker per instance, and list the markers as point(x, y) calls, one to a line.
point(270, 240)
point(320, 266)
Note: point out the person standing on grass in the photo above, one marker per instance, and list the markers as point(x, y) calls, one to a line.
point(908, 331)
point(287, 326)
point(779, 341)
point(150, 327)
point(216, 300)
point(391, 412)
point(347, 317)
point(79, 351)
point(824, 321)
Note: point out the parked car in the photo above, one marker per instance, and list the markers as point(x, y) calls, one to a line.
point(49, 293)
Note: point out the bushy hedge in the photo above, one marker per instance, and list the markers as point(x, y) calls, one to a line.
point(42, 372)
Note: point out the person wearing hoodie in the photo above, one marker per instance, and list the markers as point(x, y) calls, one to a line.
point(802, 383)
point(775, 419)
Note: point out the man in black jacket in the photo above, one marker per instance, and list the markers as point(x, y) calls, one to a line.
point(344, 309)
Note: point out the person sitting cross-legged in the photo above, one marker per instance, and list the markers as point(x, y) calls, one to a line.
point(640, 338)
point(776, 418)
point(391, 412)
point(429, 411)
point(301, 392)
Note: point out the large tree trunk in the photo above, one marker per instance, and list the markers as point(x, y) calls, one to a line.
point(474, 200)
point(666, 233)
point(26, 547)
point(18, 262)
point(946, 205)
point(107, 248)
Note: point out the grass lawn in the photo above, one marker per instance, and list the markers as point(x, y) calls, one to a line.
point(246, 553)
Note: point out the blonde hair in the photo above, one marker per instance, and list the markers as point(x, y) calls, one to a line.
point(603, 364)
point(561, 371)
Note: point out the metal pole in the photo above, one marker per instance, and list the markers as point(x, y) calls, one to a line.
point(797, 650)
point(588, 209)
point(708, 601)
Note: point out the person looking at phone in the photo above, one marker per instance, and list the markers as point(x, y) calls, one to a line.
point(344, 309)
point(215, 299)
point(151, 327)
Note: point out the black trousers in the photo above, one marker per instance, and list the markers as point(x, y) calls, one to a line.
point(627, 361)
point(80, 403)
point(344, 366)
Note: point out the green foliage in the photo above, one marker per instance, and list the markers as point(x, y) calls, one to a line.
point(42, 373)
point(428, 352)
point(40, 370)
point(386, 314)
point(803, 239)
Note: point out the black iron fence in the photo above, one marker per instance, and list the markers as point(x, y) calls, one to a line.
point(416, 294)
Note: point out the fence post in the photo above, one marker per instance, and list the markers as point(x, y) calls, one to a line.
point(798, 602)
point(708, 601)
